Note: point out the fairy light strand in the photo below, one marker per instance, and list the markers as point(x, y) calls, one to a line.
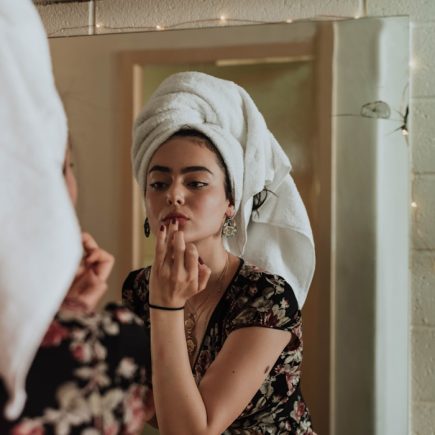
point(101, 28)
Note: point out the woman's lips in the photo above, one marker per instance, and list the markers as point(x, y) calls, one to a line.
point(180, 219)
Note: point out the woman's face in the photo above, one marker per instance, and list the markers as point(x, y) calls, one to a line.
point(70, 179)
point(186, 183)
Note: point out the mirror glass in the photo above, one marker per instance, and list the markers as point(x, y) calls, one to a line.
point(335, 96)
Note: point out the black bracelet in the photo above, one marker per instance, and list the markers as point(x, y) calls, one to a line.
point(160, 307)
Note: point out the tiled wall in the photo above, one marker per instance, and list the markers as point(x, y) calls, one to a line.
point(82, 18)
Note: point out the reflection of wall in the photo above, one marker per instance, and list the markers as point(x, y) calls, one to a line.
point(422, 251)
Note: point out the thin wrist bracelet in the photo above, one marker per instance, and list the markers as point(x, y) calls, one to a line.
point(160, 307)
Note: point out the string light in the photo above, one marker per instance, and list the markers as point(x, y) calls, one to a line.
point(221, 20)
point(413, 204)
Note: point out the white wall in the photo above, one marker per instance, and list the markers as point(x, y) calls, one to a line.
point(111, 13)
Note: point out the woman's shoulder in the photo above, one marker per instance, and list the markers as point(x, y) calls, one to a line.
point(263, 279)
point(258, 283)
point(262, 298)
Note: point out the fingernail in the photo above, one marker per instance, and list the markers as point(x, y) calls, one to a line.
point(200, 260)
point(174, 221)
point(162, 227)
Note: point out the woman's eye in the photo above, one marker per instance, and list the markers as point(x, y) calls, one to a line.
point(197, 184)
point(157, 185)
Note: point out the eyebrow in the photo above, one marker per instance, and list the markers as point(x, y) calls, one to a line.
point(185, 170)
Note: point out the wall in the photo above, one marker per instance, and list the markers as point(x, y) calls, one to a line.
point(111, 13)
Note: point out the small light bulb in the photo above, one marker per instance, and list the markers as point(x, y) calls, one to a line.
point(413, 204)
point(158, 27)
point(357, 17)
point(223, 18)
point(99, 25)
point(289, 20)
point(405, 132)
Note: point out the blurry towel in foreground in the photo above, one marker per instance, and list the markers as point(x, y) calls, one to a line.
point(40, 246)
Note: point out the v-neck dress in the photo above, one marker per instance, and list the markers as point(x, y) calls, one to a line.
point(253, 298)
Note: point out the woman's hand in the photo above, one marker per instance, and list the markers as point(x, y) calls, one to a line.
point(89, 284)
point(176, 274)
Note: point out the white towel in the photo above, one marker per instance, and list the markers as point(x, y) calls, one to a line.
point(40, 239)
point(278, 238)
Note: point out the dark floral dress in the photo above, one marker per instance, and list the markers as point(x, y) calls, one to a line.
point(253, 298)
point(88, 377)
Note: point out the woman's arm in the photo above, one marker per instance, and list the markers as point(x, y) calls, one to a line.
point(228, 385)
point(233, 378)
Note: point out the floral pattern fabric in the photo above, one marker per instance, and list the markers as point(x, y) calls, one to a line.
point(88, 377)
point(253, 298)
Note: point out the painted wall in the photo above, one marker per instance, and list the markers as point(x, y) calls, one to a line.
point(83, 18)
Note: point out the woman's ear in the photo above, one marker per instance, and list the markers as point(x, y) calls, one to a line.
point(230, 211)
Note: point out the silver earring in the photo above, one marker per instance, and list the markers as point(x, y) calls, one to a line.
point(229, 228)
point(146, 228)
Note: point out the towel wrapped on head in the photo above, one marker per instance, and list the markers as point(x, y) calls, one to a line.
point(40, 245)
point(278, 238)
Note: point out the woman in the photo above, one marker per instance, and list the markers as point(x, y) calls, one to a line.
point(233, 262)
point(88, 375)
point(90, 369)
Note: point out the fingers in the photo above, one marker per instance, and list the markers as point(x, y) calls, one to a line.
point(171, 231)
point(101, 262)
point(97, 259)
point(160, 253)
point(175, 271)
point(191, 264)
point(88, 242)
point(204, 273)
point(178, 251)
point(89, 284)
point(164, 246)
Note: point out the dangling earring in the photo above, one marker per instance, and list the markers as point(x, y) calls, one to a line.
point(146, 228)
point(229, 228)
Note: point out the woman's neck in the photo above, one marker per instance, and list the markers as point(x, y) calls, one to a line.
point(214, 256)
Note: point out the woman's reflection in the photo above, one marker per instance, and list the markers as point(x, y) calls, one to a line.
point(233, 262)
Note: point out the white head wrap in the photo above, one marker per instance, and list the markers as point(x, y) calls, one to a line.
point(40, 239)
point(278, 238)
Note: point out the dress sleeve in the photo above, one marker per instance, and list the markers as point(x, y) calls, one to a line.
point(265, 300)
point(135, 291)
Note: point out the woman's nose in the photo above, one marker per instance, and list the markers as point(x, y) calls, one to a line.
point(175, 196)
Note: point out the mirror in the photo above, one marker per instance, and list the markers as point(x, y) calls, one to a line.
point(335, 96)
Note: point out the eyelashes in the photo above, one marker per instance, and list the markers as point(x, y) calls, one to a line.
point(194, 185)
point(157, 185)
point(197, 184)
